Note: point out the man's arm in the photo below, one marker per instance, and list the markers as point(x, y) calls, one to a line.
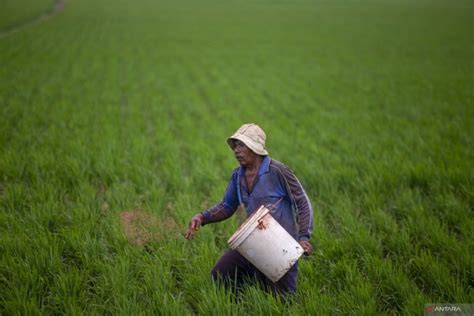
point(227, 207)
point(303, 204)
point(219, 211)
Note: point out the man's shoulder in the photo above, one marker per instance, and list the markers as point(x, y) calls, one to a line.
point(281, 168)
point(277, 163)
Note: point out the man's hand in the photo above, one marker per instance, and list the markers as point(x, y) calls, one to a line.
point(194, 225)
point(307, 247)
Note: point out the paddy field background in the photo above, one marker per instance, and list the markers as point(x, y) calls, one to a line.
point(113, 124)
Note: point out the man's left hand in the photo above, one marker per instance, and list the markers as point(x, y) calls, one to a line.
point(307, 247)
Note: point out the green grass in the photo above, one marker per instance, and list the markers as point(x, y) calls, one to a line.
point(14, 13)
point(108, 107)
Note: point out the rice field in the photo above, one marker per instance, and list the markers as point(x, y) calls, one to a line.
point(113, 124)
point(15, 13)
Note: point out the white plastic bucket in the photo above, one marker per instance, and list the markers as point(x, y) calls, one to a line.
point(267, 245)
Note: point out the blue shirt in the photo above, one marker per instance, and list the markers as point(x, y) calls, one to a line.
point(275, 182)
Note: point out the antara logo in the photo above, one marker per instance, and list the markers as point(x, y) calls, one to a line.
point(442, 308)
point(447, 309)
point(429, 309)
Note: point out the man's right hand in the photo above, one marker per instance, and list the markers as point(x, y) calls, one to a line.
point(194, 225)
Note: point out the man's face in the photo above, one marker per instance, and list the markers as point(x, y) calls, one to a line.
point(243, 154)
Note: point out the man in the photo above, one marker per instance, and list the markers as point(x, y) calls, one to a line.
point(259, 180)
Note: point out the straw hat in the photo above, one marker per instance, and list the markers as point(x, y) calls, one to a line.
point(252, 136)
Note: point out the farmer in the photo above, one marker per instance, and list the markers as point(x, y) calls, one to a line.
point(259, 180)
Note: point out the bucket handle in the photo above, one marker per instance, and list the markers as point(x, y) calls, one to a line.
point(272, 207)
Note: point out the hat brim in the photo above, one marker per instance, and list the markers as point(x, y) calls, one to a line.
point(249, 143)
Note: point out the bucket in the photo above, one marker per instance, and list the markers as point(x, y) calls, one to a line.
point(266, 244)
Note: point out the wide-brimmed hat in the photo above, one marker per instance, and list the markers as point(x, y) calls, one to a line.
point(252, 136)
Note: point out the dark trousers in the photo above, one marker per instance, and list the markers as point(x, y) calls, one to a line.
point(235, 271)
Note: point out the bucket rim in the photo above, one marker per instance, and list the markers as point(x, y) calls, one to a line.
point(244, 230)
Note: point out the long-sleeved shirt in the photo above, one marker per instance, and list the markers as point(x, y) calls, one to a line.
point(275, 184)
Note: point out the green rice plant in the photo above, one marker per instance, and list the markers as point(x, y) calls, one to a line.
point(112, 108)
point(16, 13)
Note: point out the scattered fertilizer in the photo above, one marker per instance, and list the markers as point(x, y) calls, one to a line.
point(141, 227)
